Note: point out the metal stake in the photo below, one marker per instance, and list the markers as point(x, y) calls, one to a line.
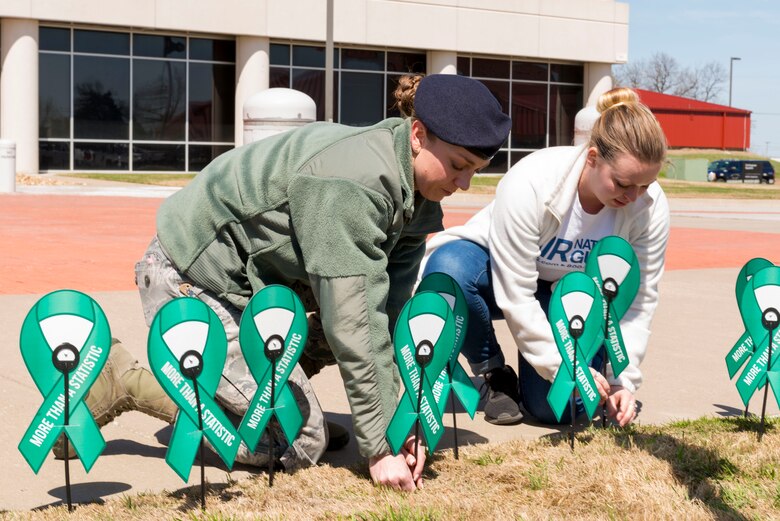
point(417, 420)
point(766, 386)
point(573, 407)
point(271, 437)
point(200, 448)
point(454, 417)
point(67, 441)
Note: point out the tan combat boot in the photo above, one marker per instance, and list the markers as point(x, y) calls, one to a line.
point(123, 385)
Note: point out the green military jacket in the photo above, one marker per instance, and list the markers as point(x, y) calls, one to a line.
point(328, 206)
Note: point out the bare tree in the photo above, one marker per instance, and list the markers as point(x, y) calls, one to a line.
point(687, 84)
point(631, 74)
point(712, 76)
point(662, 73)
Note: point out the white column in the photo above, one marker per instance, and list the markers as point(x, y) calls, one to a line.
point(442, 62)
point(252, 74)
point(19, 90)
point(598, 80)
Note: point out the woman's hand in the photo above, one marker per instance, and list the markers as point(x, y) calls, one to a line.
point(602, 386)
point(621, 405)
point(401, 472)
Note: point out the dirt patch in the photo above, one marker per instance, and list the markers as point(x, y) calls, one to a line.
point(44, 180)
point(120, 179)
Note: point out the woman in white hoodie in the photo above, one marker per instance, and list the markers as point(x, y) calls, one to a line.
point(550, 209)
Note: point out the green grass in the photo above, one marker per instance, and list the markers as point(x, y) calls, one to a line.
point(485, 180)
point(676, 188)
point(148, 179)
point(672, 188)
point(538, 476)
point(486, 183)
point(488, 459)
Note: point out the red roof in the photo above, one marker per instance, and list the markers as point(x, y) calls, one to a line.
point(667, 102)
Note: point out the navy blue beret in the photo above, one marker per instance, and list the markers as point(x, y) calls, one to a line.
point(462, 112)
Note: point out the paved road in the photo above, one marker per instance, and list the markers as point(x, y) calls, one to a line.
point(51, 239)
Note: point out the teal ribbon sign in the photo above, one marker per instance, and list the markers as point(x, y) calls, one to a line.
point(453, 377)
point(743, 349)
point(272, 334)
point(575, 309)
point(64, 335)
point(759, 305)
point(613, 266)
point(187, 349)
point(424, 339)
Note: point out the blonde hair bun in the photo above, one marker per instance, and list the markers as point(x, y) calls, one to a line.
point(627, 126)
point(615, 98)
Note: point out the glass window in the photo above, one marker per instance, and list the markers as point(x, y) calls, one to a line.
point(202, 155)
point(362, 59)
point(100, 156)
point(499, 164)
point(212, 98)
point(565, 102)
point(566, 73)
point(101, 97)
point(159, 46)
point(464, 66)
point(279, 77)
point(54, 39)
point(529, 115)
point(542, 111)
point(307, 74)
point(487, 68)
point(307, 56)
point(499, 89)
point(101, 42)
point(530, 71)
point(407, 62)
point(362, 98)
point(158, 158)
point(212, 50)
point(280, 54)
point(92, 95)
point(336, 88)
point(312, 83)
point(54, 95)
point(517, 156)
point(159, 92)
point(54, 155)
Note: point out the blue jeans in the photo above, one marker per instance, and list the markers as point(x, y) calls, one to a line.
point(468, 264)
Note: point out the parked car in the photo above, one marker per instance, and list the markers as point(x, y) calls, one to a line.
point(744, 170)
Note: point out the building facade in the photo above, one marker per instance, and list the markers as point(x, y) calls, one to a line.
point(159, 85)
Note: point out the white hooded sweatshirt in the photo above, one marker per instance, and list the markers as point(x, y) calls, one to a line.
point(531, 201)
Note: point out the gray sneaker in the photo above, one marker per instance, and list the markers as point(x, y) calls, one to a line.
point(501, 407)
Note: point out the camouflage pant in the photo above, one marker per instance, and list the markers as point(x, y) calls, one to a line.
point(159, 282)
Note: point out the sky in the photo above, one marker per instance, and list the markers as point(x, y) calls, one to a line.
point(696, 32)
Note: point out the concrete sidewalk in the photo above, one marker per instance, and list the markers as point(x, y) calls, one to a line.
point(697, 322)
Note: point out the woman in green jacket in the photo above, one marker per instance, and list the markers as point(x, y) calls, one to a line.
point(340, 214)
